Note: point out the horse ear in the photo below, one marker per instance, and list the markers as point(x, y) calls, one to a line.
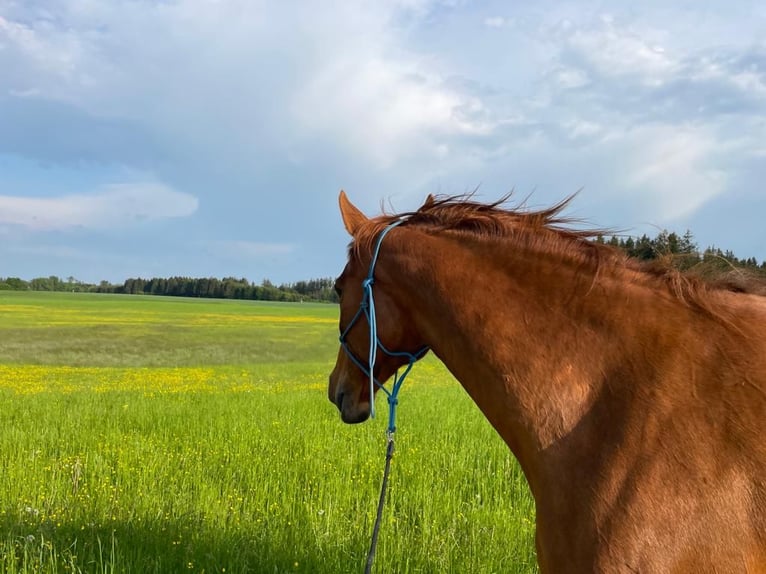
point(430, 200)
point(353, 219)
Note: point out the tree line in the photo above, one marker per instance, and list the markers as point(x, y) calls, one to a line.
point(680, 250)
point(208, 287)
point(683, 253)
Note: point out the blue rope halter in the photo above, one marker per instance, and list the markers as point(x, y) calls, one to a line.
point(367, 309)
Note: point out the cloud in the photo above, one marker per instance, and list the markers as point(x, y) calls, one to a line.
point(638, 72)
point(613, 50)
point(655, 126)
point(675, 168)
point(114, 205)
point(263, 110)
point(386, 109)
point(498, 22)
point(342, 78)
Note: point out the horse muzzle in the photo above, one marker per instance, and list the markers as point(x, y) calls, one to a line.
point(352, 409)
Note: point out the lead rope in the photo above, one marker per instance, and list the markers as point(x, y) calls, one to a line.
point(392, 402)
point(381, 503)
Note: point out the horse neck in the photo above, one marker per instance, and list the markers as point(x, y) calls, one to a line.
point(528, 336)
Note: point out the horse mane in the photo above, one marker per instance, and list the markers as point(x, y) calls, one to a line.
point(461, 214)
point(548, 231)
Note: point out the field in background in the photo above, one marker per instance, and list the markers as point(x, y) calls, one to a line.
point(148, 434)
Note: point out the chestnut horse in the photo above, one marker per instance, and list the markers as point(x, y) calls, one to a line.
point(634, 399)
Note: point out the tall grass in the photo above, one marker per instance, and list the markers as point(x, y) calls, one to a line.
point(168, 461)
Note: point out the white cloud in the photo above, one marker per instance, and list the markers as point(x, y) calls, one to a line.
point(577, 129)
point(751, 82)
point(341, 75)
point(570, 78)
point(675, 168)
point(114, 205)
point(497, 22)
point(245, 102)
point(387, 109)
point(613, 49)
point(52, 58)
point(665, 125)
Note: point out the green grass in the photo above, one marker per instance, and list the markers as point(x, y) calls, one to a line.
point(115, 330)
point(142, 434)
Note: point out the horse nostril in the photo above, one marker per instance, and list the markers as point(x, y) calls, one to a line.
point(339, 399)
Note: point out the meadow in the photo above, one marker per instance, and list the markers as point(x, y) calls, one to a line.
point(150, 434)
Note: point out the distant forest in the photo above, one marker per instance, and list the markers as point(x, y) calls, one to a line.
point(320, 290)
point(680, 250)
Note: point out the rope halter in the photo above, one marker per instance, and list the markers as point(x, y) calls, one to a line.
point(367, 309)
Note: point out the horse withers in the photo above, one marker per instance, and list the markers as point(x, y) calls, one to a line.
point(634, 398)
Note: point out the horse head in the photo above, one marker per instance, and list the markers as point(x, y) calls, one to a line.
point(377, 335)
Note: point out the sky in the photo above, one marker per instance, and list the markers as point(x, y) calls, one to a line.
point(206, 138)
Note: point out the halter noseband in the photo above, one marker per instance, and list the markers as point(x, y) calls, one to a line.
point(367, 308)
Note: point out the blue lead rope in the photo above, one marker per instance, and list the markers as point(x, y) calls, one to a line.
point(367, 308)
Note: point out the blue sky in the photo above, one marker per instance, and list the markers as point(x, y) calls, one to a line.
point(211, 137)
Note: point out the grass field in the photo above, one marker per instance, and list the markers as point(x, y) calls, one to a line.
point(144, 434)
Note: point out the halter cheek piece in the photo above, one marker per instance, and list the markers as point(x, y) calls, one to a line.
point(367, 309)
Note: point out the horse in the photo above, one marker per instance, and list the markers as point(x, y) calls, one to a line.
point(634, 398)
